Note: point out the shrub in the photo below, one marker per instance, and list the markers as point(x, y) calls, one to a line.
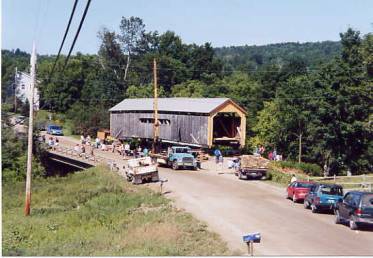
point(282, 178)
point(307, 168)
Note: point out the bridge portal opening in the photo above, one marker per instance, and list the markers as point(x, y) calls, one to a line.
point(226, 127)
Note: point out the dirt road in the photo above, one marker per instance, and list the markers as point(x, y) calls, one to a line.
point(232, 208)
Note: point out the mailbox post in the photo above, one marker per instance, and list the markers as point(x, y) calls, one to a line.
point(250, 239)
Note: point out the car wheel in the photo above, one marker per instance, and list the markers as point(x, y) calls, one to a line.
point(287, 195)
point(174, 165)
point(294, 199)
point(306, 205)
point(353, 225)
point(337, 217)
point(314, 208)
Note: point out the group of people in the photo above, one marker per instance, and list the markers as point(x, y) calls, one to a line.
point(272, 155)
point(80, 149)
point(85, 140)
point(53, 142)
point(124, 149)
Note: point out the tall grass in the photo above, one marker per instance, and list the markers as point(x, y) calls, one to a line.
point(96, 213)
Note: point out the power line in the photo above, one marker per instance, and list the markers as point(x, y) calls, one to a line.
point(64, 37)
point(77, 33)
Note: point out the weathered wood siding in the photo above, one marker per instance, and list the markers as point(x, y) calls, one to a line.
point(180, 129)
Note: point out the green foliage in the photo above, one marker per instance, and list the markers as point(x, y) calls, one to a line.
point(87, 119)
point(307, 168)
point(96, 213)
point(14, 158)
point(267, 127)
point(276, 175)
point(252, 57)
point(192, 89)
point(146, 91)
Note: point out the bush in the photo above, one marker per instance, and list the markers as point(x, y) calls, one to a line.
point(282, 178)
point(307, 168)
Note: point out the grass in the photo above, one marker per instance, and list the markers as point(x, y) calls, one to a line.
point(276, 176)
point(350, 182)
point(97, 213)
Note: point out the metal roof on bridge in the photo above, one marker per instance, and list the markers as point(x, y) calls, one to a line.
point(189, 105)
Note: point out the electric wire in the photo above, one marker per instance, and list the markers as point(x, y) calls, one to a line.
point(64, 37)
point(77, 34)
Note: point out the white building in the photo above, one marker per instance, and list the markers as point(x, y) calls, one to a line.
point(23, 89)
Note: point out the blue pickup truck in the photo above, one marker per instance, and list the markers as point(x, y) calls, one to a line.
point(177, 157)
point(323, 197)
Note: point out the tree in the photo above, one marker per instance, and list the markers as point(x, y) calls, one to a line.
point(192, 89)
point(294, 111)
point(132, 31)
point(268, 128)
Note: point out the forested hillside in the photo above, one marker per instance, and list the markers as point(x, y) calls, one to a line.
point(254, 57)
point(319, 94)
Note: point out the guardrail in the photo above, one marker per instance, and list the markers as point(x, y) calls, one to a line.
point(78, 155)
point(364, 185)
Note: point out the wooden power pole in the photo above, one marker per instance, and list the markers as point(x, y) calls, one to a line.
point(155, 106)
point(15, 90)
point(30, 131)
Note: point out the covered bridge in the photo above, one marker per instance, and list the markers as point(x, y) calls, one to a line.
point(201, 121)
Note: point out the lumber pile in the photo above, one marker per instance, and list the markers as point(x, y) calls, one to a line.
point(251, 161)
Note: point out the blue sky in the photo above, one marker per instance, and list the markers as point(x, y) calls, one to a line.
point(221, 22)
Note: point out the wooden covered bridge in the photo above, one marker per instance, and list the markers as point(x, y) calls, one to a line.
point(197, 121)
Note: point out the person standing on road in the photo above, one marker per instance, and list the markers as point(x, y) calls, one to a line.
point(88, 140)
point(270, 155)
point(82, 139)
point(293, 178)
point(145, 151)
point(127, 149)
point(217, 154)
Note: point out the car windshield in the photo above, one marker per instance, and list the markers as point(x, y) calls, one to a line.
point(181, 150)
point(55, 128)
point(332, 190)
point(367, 201)
point(304, 185)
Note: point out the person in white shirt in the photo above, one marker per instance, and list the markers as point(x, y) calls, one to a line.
point(293, 178)
point(127, 149)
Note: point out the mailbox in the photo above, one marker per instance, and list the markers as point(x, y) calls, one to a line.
point(253, 237)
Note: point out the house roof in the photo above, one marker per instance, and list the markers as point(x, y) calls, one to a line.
point(190, 105)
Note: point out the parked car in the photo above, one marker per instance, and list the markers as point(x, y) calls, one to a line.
point(298, 190)
point(323, 197)
point(356, 209)
point(54, 130)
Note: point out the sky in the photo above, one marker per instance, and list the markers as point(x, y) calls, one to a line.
point(221, 22)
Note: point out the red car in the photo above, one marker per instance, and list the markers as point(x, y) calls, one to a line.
point(298, 190)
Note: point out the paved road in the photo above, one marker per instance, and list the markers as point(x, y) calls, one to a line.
point(233, 207)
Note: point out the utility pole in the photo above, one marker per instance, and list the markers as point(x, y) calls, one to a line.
point(30, 131)
point(155, 106)
point(15, 88)
point(300, 148)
